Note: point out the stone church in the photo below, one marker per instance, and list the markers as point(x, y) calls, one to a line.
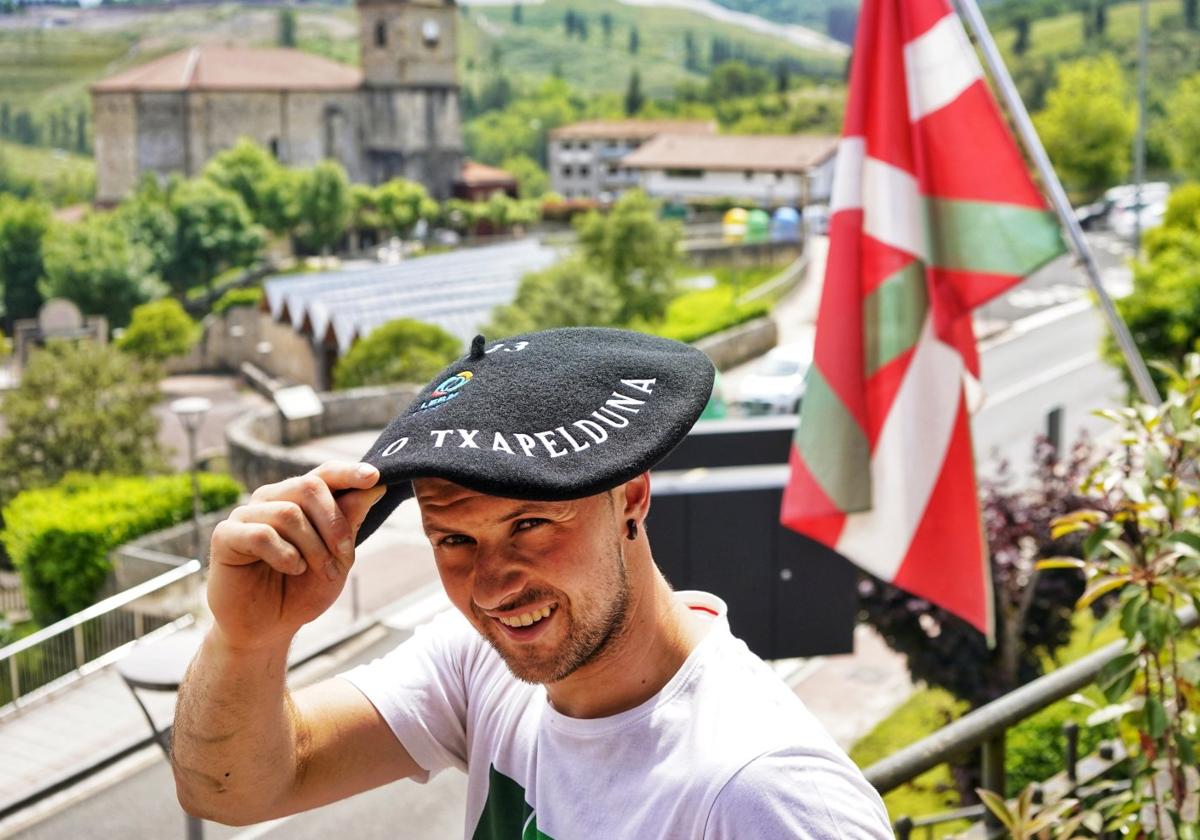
point(396, 116)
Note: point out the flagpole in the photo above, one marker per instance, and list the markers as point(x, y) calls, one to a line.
point(969, 11)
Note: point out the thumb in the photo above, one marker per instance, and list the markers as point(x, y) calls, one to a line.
point(356, 503)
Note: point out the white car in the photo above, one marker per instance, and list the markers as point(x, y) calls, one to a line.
point(777, 384)
point(1123, 216)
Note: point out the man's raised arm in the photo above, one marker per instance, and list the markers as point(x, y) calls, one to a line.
point(244, 749)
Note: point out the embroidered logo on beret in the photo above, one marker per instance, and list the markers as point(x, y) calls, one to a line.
point(448, 390)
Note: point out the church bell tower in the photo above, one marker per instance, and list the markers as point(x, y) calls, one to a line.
point(410, 87)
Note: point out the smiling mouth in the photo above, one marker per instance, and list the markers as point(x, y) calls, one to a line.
point(527, 619)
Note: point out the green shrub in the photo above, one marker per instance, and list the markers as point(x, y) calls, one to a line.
point(1036, 747)
point(159, 330)
point(59, 537)
point(249, 296)
point(694, 315)
point(403, 350)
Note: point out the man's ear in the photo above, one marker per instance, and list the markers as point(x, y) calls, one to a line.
point(636, 493)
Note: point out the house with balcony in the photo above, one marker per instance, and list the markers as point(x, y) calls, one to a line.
point(759, 170)
point(585, 159)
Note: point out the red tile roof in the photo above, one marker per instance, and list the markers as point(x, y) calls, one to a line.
point(477, 174)
point(235, 68)
point(755, 152)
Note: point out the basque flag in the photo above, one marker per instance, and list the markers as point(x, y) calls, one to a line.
point(933, 214)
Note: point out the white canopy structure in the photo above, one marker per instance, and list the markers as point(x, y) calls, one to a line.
point(456, 291)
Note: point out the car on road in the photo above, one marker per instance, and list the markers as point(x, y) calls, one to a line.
point(776, 385)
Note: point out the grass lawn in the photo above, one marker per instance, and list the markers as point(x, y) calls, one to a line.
point(59, 177)
point(1034, 746)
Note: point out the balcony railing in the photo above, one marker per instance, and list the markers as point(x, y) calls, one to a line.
point(70, 649)
point(986, 727)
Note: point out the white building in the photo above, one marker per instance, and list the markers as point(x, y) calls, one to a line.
point(586, 159)
point(766, 171)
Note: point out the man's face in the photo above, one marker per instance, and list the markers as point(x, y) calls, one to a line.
point(544, 582)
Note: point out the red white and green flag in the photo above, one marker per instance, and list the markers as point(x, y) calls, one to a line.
point(933, 214)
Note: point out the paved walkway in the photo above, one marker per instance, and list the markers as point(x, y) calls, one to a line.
point(57, 738)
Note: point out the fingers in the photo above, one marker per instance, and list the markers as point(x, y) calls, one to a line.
point(341, 475)
point(240, 543)
point(355, 504)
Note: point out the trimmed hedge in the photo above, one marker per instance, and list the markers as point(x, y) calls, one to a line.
point(248, 296)
point(59, 538)
point(694, 315)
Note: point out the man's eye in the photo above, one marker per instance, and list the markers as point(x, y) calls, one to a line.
point(526, 524)
point(451, 540)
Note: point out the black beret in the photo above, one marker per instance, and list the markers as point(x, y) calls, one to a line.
point(552, 415)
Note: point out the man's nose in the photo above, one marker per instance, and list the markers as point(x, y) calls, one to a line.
point(499, 578)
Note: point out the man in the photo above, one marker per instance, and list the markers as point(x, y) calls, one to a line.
point(582, 696)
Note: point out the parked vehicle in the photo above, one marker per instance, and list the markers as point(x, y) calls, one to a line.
point(777, 385)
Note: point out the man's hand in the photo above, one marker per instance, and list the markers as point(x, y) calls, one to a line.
point(282, 560)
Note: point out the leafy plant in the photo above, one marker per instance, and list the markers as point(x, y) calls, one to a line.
point(1141, 542)
point(80, 407)
point(60, 537)
point(403, 350)
point(248, 296)
point(158, 331)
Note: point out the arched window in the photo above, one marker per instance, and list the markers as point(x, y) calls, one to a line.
point(381, 33)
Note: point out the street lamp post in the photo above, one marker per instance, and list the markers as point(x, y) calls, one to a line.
point(191, 411)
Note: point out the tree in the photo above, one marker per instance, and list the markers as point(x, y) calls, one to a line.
point(606, 24)
point(323, 202)
point(213, 231)
point(1163, 312)
point(634, 98)
point(518, 13)
point(80, 407)
point(158, 331)
point(1191, 18)
point(532, 180)
point(736, 79)
point(1183, 127)
point(23, 223)
point(259, 180)
point(636, 251)
point(145, 218)
point(568, 294)
point(95, 265)
point(634, 40)
point(287, 27)
point(1087, 124)
point(403, 350)
point(400, 204)
point(1022, 26)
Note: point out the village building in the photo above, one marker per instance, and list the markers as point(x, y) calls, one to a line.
point(585, 158)
point(395, 116)
point(759, 170)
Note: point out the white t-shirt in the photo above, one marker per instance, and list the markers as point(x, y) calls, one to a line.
point(724, 750)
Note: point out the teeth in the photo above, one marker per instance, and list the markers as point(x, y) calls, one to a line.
point(526, 619)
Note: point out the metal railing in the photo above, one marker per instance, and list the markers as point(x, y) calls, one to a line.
point(986, 726)
point(87, 641)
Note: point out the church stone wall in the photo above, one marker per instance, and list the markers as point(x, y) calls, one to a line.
point(114, 119)
point(162, 122)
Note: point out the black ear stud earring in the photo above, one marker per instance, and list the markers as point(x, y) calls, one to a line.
point(631, 526)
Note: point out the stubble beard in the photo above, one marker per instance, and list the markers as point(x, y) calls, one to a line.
point(588, 636)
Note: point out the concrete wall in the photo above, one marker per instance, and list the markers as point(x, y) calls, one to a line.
point(258, 441)
point(233, 337)
point(741, 343)
point(743, 254)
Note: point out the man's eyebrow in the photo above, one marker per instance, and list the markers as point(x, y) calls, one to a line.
point(433, 522)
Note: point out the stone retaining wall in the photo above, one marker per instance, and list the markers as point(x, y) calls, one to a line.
point(258, 441)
